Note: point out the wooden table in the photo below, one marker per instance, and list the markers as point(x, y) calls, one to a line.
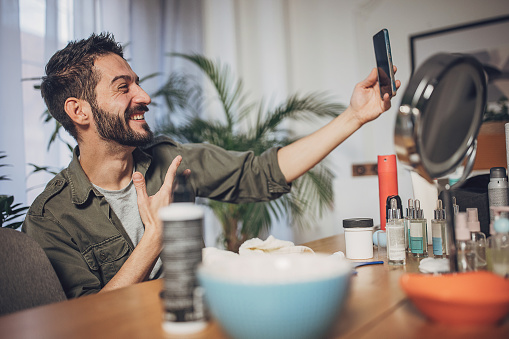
point(376, 308)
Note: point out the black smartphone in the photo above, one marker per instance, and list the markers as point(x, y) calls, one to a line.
point(383, 56)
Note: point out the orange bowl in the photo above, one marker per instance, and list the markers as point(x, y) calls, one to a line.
point(472, 298)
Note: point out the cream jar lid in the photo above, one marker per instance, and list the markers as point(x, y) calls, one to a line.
point(358, 223)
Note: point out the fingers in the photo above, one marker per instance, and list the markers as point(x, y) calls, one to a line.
point(166, 188)
point(141, 188)
point(371, 79)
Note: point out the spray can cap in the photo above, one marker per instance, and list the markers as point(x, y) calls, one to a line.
point(472, 220)
point(462, 231)
point(497, 173)
point(440, 211)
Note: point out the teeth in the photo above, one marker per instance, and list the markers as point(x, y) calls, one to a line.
point(137, 117)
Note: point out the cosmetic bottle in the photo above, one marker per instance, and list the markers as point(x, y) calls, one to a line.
point(498, 190)
point(439, 232)
point(184, 307)
point(455, 207)
point(478, 238)
point(387, 183)
point(498, 248)
point(409, 216)
point(395, 229)
point(418, 233)
point(465, 252)
point(182, 191)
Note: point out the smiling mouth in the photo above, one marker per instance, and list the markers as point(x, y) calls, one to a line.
point(140, 116)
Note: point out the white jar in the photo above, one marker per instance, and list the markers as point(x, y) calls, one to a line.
point(358, 238)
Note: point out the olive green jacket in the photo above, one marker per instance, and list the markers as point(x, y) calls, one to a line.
point(84, 239)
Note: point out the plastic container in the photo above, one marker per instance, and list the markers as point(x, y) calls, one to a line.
point(358, 238)
point(184, 309)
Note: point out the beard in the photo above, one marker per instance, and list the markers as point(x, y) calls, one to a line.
point(113, 127)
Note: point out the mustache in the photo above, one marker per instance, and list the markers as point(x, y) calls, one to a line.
point(136, 108)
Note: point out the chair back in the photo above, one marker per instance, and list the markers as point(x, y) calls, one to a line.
point(27, 278)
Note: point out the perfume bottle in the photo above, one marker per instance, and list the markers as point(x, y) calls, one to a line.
point(478, 238)
point(455, 207)
point(418, 233)
point(465, 251)
point(395, 229)
point(409, 216)
point(439, 232)
point(498, 247)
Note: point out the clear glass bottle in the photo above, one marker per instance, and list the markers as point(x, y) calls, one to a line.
point(409, 216)
point(465, 250)
point(418, 233)
point(439, 232)
point(498, 248)
point(395, 228)
point(478, 238)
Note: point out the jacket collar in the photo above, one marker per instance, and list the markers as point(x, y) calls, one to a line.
point(81, 187)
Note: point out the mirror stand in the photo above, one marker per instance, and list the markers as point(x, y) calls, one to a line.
point(451, 234)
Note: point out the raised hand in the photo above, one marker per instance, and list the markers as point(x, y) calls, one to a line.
point(366, 101)
point(149, 206)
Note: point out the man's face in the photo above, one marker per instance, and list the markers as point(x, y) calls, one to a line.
point(120, 103)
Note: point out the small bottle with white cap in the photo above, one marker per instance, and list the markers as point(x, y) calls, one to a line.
point(396, 253)
point(465, 252)
point(478, 238)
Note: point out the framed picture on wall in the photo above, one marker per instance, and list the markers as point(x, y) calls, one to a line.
point(488, 41)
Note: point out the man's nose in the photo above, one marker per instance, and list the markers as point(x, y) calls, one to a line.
point(141, 96)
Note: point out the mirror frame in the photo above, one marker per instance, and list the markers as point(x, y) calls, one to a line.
point(408, 132)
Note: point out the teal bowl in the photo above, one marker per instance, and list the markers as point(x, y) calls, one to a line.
point(274, 296)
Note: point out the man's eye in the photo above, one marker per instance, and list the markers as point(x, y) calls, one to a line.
point(123, 87)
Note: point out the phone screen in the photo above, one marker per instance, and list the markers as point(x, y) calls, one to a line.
point(384, 63)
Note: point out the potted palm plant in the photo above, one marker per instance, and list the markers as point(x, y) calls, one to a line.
point(9, 211)
point(311, 194)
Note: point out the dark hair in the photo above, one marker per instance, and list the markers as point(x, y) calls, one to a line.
point(70, 73)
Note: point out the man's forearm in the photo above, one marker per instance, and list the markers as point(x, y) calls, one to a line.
point(139, 265)
point(303, 154)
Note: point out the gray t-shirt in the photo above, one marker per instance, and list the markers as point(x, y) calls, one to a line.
point(124, 203)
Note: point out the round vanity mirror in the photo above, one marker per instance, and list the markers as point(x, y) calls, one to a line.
point(438, 121)
point(440, 115)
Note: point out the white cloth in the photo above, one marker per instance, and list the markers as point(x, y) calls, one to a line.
point(255, 246)
point(271, 246)
point(432, 265)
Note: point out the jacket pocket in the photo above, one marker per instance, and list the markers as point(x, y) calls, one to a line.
point(107, 257)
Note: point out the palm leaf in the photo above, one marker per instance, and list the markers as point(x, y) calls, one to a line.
point(311, 194)
point(43, 169)
point(229, 91)
point(298, 107)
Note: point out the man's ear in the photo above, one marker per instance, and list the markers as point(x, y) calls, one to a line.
point(78, 110)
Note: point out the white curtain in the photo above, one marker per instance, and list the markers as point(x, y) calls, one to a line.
point(12, 139)
point(149, 29)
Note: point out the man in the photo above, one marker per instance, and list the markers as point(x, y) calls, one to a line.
point(97, 219)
